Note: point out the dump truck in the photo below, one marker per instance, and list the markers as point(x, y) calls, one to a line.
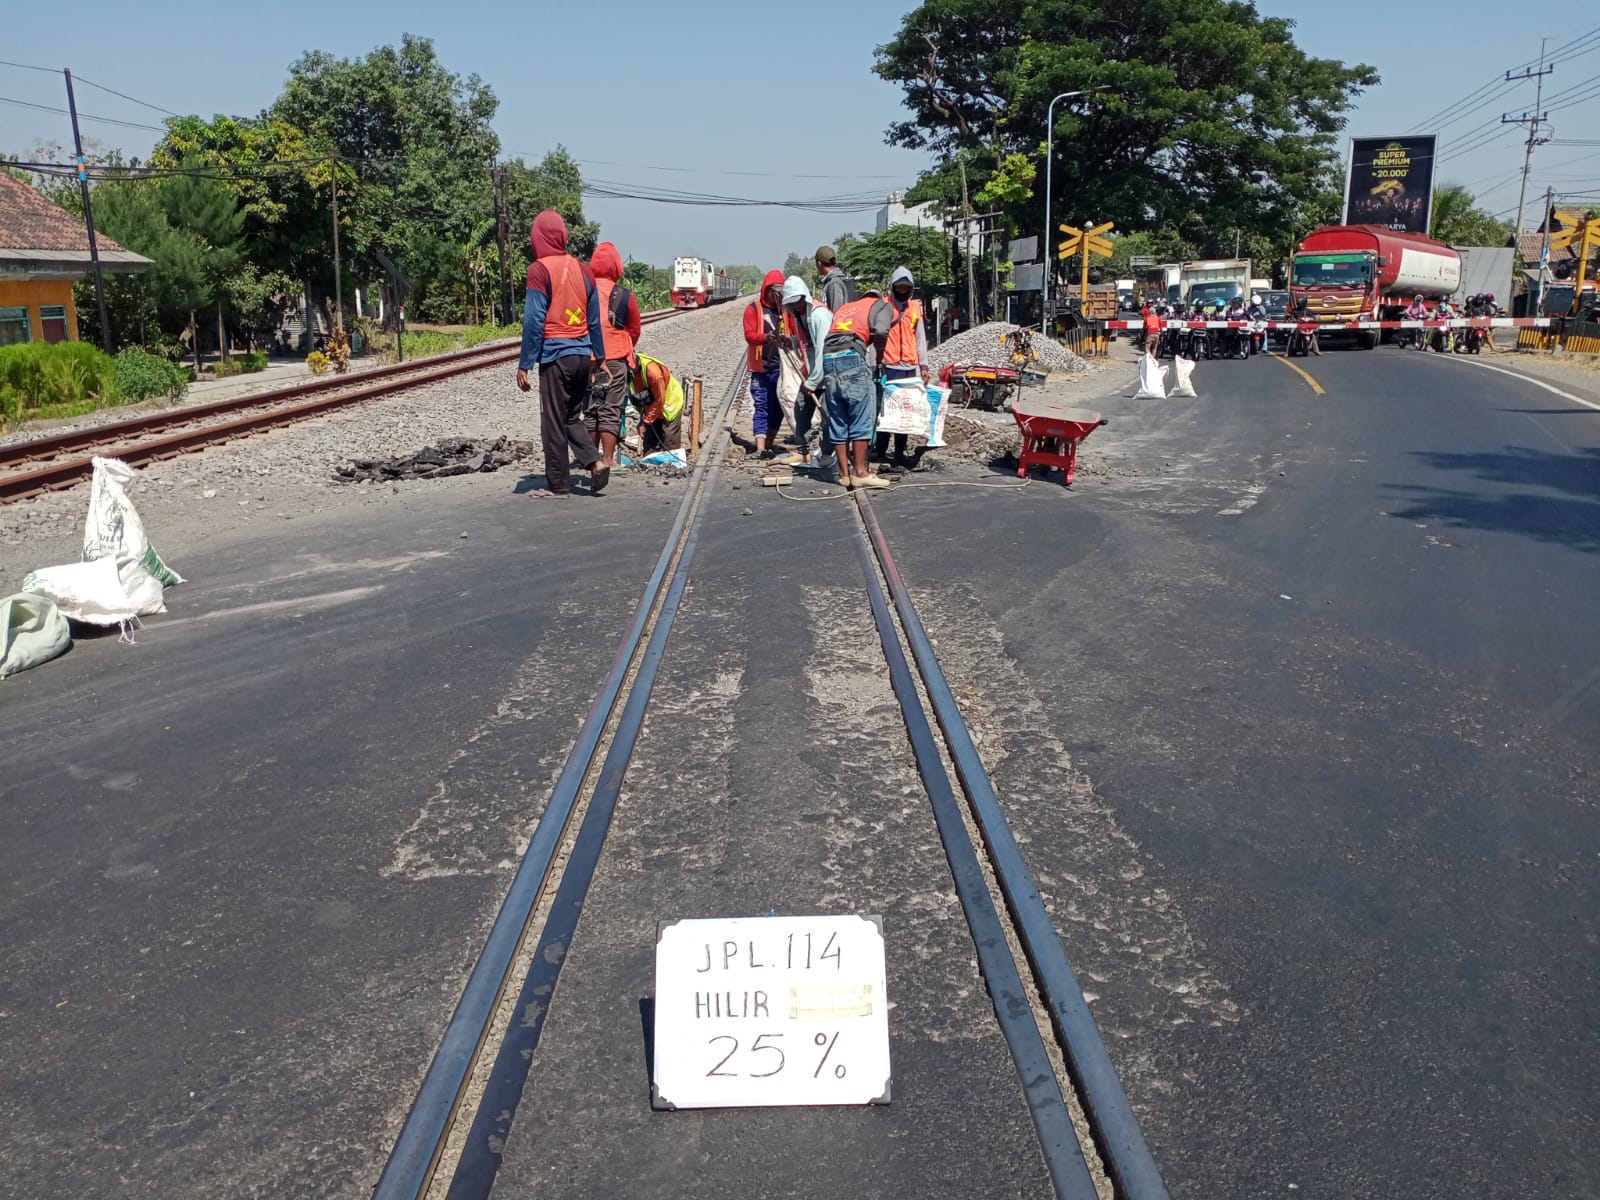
point(1348, 273)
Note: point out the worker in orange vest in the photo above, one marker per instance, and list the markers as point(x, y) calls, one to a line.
point(905, 351)
point(855, 339)
point(619, 326)
point(562, 337)
point(766, 337)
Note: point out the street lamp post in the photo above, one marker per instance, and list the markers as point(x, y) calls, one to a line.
point(1045, 270)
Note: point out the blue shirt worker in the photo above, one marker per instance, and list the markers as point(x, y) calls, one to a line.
point(562, 337)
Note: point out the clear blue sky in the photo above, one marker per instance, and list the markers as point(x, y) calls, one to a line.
point(750, 86)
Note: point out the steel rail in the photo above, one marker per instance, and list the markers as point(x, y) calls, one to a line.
point(410, 1168)
point(16, 453)
point(1117, 1134)
point(277, 408)
point(1058, 1141)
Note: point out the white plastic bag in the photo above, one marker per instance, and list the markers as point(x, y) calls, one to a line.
point(106, 591)
point(1152, 379)
point(936, 410)
point(1183, 377)
point(32, 631)
point(905, 408)
point(113, 528)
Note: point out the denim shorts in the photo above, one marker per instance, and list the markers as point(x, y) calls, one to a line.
point(852, 400)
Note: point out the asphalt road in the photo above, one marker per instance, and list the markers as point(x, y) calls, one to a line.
point(1292, 702)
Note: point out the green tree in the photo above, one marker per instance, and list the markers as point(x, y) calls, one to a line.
point(871, 258)
point(416, 149)
point(1455, 218)
point(749, 277)
point(207, 229)
point(1211, 118)
point(554, 182)
point(803, 265)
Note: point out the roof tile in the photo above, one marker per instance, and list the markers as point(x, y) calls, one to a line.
point(29, 221)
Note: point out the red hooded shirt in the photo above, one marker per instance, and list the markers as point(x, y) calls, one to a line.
point(759, 317)
point(606, 265)
point(562, 311)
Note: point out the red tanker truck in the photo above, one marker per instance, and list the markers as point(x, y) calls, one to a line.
point(1369, 273)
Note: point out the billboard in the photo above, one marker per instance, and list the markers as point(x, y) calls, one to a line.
point(1390, 182)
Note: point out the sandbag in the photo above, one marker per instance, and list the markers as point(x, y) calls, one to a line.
point(32, 631)
point(113, 528)
point(104, 591)
point(905, 408)
point(1152, 379)
point(1183, 377)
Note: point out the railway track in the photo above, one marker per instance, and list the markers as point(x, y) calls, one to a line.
point(449, 1145)
point(49, 463)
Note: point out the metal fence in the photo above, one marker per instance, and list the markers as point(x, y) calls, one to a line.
point(1575, 337)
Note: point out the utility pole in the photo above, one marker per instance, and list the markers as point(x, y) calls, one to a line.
point(966, 249)
point(338, 280)
point(1531, 120)
point(88, 218)
point(500, 236)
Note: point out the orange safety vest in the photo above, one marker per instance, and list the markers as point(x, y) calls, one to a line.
point(568, 314)
point(619, 344)
point(855, 318)
point(901, 348)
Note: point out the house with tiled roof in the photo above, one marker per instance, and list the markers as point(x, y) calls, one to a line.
point(43, 250)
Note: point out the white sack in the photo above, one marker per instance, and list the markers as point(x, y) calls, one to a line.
point(1152, 379)
point(113, 528)
point(790, 377)
point(905, 408)
point(102, 592)
point(32, 631)
point(1183, 377)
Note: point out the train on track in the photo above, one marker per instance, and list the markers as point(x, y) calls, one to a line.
point(697, 282)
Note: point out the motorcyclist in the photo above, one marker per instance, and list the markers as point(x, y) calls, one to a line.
point(1304, 334)
point(1257, 314)
point(1417, 339)
point(1444, 338)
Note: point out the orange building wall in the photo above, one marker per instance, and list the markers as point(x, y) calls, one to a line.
point(31, 293)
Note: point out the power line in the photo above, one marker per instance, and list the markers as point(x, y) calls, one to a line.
point(125, 96)
point(83, 115)
point(81, 79)
point(1585, 43)
point(601, 162)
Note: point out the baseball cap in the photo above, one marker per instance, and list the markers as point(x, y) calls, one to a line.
point(825, 254)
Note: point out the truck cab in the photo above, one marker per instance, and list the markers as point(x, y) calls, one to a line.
point(1337, 287)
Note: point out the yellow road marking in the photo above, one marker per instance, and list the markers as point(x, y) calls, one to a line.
point(1315, 386)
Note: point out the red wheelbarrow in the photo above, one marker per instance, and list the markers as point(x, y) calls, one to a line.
point(1051, 432)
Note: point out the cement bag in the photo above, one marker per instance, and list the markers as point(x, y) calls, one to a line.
point(105, 591)
point(905, 408)
point(1183, 377)
point(32, 631)
point(113, 528)
point(936, 409)
point(790, 377)
point(1152, 379)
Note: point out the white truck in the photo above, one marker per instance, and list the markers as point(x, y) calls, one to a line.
point(1214, 280)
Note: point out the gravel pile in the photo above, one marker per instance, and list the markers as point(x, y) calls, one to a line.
point(982, 344)
point(452, 456)
point(292, 471)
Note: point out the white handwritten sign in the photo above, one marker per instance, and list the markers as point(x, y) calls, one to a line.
point(767, 1011)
